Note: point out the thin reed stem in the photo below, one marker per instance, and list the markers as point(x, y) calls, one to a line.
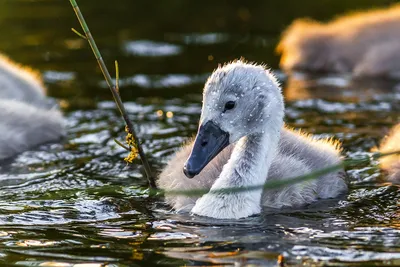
point(278, 183)
point(114, 91)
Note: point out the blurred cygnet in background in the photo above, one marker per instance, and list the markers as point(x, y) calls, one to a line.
point(364, 44)
point(27, 118)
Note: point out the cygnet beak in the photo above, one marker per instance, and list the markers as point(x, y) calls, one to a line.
point(210, 140)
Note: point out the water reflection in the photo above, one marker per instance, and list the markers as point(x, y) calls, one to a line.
point(198, 38)
point(77, 203)
point(161, 81)
point(81, 194)
point(151, 49)
point(340, 88)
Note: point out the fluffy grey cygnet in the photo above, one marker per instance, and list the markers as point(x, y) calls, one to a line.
point(242, 141)
point(364, 44)
point(391, 164)
point(27, 119)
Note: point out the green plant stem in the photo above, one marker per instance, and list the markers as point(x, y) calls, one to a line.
point(278, 183)
point(114, 91)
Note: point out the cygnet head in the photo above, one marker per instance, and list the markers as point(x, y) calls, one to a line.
point(239, 99)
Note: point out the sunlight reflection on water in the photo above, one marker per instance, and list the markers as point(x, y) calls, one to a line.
point(78, 204)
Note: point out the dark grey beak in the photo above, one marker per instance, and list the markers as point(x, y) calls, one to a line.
point(210, 140)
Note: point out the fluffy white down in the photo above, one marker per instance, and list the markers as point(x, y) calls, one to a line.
point(391, 164)
point(360, 43)
point(28, 118)
point(263, 150)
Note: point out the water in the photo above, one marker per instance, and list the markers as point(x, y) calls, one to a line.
point(78, 203)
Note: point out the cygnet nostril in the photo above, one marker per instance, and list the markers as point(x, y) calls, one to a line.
point(204, 142)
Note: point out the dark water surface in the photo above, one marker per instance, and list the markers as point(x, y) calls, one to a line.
point(78, 204)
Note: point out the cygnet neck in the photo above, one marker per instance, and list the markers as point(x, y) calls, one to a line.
point(248, 166)
point(250, 160)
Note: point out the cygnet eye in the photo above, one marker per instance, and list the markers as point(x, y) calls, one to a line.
point(230, 105)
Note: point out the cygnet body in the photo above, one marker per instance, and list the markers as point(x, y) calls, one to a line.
point(364, 44)
point(391, 164)
point(28, 119)
point(242, 141)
